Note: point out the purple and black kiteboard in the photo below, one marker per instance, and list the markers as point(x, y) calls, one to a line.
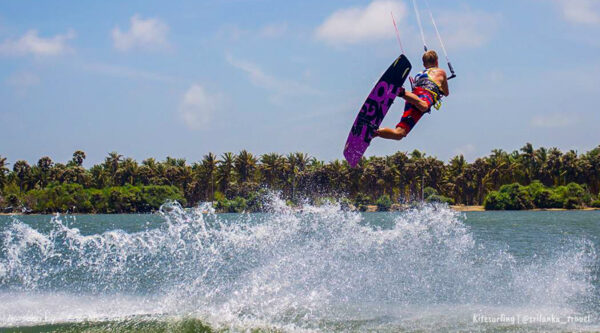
point(374, 109)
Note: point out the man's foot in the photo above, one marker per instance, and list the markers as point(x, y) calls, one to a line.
point(395, 134)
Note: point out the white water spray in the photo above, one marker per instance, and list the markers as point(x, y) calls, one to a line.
point(315, 269)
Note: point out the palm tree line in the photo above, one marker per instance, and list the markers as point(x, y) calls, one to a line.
point(401, 176)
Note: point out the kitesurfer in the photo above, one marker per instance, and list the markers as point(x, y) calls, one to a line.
point(429, 87)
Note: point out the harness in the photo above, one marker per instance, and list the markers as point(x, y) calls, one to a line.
point(423, 80)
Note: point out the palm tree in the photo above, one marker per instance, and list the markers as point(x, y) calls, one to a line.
point(128, 172)
point(76, 175)
point(78, 158)
point(150, 163)
point(480, 169)
point(456, 177)
point(271, 168)
point(591, 163)
point(372, 180)
point(314, 182)
point(528, 161)
point(225, 172)
point(209, 169)
point(245, 165)
point(550, 170)
point(22, 171)
point(99, 176)
point(111, 163)
point(44, 165)
point(413, 173)
point(540, 157)
point(3, 171)
point(570, 168)
point(337, 176)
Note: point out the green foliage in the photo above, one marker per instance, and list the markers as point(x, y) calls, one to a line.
point(122, 199)
point(153, 196)
point(13, 200)
point(496, 201)
point(384, 203)
point(515, 197)
point(440, 198)
point(253, 203)
point(429, 191)
point(544, 197)
point(431, 195)
point(345, 203)
point(320, 201)
point(237, 205)
point(571, 203)
point(509, 197)
point(362, 201)
point(119, 184)
point(596, 203)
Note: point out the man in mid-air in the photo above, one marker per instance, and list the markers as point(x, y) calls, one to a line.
point(429, 87)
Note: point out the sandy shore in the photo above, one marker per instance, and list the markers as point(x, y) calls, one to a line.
point(463, 208)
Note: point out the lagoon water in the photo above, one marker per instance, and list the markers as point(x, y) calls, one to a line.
point(318, 269)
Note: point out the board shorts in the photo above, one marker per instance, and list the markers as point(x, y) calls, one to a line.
point(411, 114)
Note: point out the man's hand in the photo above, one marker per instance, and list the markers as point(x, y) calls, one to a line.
point(401, 92)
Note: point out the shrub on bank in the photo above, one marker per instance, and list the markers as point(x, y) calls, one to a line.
point(75, 198)
point(384, 203)
point(362, 201)
point(440, 199)
point(536, 195)
point(544, 197)
point(509, 197)
point(253, 203)
point(431, 195)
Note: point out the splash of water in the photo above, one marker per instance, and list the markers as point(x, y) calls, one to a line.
point(307, 269)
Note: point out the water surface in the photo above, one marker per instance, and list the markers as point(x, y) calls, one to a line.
point(321, 269)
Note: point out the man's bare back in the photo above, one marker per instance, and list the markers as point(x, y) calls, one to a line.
point(438, 75)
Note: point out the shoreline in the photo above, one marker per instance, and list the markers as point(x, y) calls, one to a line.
point(371, 209)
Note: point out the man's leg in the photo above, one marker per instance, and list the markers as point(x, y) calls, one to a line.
point(395, 134)
point(413, 99)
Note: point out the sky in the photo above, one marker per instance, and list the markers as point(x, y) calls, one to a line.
point(185, 78)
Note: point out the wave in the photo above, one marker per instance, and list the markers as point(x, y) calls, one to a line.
point(317, 268)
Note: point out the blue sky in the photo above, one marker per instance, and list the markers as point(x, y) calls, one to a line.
point(182, 78)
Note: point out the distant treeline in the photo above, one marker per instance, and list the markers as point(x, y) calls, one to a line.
point(522, 179)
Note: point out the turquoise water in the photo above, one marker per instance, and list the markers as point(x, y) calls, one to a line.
point(318, 269)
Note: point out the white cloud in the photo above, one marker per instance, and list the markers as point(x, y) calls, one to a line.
point(554, 120)
point(32, 44)
point(275, 85)
point(197, 107)
point(466, 28)
point(23, 79)
point(360, 24)
point(126, 72)
point(21, 82)
point(580, 11)
point(273, 30)
point(232, 32)
point(148, 33)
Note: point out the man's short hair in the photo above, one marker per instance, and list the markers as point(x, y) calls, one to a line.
point(430, 58)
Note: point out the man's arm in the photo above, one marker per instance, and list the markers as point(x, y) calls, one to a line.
point(445, 88)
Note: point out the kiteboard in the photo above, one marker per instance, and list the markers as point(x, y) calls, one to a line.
point(374, 109)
